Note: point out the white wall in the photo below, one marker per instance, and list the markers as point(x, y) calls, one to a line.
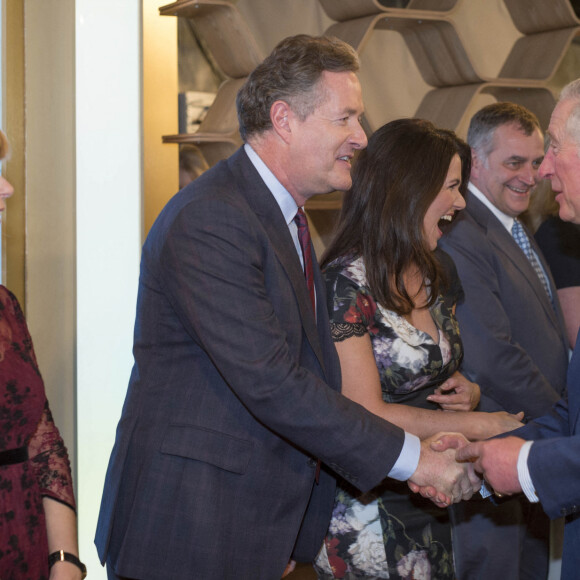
point(108, 235)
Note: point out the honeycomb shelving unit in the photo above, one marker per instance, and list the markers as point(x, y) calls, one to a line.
point(436, 42)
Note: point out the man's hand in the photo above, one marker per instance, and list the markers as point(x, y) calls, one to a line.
point(497, 460)
point(438, 476)
point(456, 394)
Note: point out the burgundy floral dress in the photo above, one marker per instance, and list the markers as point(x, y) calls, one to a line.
point(389, 532)
point(26, 422)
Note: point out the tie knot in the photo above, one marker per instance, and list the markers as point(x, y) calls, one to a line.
point(516, 227)
point(520, 236)
point(300, 218)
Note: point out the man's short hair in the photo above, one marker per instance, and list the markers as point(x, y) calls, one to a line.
point(291, 74)
point(572, 92)
point(485, 122)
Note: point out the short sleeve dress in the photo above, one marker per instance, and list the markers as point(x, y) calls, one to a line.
point(390, 532)
point(26, 429)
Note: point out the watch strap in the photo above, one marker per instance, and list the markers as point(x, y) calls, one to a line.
point(62, 556)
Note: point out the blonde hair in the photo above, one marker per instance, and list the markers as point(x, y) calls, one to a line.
point(4, 146)
point(542, 205)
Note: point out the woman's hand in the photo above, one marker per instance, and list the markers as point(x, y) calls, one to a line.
point(456, 394)
point(289, 568)
point(499, 422)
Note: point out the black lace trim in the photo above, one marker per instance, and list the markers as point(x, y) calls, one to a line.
point(342, 330)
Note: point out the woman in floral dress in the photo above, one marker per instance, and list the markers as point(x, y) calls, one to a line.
point(37, 505)
point(391, 297)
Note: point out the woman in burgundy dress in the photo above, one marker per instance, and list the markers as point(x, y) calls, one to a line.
point(38, 533)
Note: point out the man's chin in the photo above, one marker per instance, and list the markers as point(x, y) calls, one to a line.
point(341, 185)
point(567, 213)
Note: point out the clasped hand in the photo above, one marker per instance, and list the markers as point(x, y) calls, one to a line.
point(496, 460)
point(456, 394)
point(439, 476)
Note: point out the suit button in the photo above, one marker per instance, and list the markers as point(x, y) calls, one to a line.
point(311, 462)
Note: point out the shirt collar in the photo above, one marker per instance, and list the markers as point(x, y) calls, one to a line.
point(506, 221)
point(281, 195)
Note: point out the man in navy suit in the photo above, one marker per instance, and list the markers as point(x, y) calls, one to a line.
point(234, 400)
point(512, 329)
point(542, 459)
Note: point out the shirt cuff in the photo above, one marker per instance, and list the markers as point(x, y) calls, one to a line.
point(485, 490)
point(408, 459)
point(524, 473)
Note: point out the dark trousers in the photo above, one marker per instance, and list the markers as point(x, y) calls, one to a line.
point(510, 540)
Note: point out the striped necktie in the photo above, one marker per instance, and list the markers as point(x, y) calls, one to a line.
point(305, 245)
point(523, 242)
point(304, 239)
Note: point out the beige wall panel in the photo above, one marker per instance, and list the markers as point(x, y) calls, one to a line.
point(487, 32)
point(50, 201)
point(392, 87)
point(270, 21)
point(14, 223)
point(160, 117)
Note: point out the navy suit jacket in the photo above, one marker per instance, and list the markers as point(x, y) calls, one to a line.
point(514, 341)
point(554, 464)
point(234, 392)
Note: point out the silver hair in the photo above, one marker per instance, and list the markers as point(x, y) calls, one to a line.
point(483, 125)
point(572, 92)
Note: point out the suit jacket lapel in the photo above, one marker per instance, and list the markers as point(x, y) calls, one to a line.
point(264, 205)
point(505, 243)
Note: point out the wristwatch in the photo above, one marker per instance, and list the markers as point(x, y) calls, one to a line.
point(62, 556)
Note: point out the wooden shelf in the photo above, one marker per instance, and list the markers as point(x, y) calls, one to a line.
point(434, 39)
point(440, 51)
point(225, 32)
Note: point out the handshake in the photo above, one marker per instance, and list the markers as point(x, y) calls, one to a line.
point(451, 468)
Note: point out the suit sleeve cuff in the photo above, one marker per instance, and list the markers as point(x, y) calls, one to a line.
point(524, 473)
point(408, 459)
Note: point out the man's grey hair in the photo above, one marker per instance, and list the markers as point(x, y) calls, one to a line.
point(485, 122)
point(572, 92)
point(292, 73)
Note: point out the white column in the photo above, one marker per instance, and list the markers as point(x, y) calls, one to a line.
point(108, 236)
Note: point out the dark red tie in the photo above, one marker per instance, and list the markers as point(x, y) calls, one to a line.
point(304, 239)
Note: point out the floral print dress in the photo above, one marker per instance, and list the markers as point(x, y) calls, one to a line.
point(26, 421)
point(390, 532)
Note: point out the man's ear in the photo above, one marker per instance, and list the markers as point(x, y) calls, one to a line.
point(279, 116)
point(476, 163)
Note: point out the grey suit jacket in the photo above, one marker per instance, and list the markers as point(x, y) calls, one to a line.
point(234, 392)
point(514, 341)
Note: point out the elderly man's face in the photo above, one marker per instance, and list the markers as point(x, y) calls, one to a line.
point(562, 163)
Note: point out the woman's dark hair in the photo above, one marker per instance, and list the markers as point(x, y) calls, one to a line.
point(395, 180)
